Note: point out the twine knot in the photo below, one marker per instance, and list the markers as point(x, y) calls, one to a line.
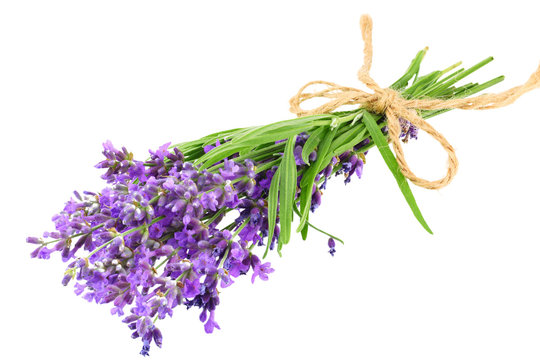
point(383, 100)
point(391, 104)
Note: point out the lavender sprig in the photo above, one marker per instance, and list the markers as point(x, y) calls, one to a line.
point(155, 237)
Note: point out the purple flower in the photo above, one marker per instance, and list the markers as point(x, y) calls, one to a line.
point(225, 277)
point(332, 246)
point(191, 288)
point(154, 238)
point(316, 198)
point(161, 152)
point(158, 338)
point(230, 170)
point(41, 252)
point(408, 130)
point(211, 324)
point(208, 148)
point(260, 270)
point(298, 155)
point(33, 240)
point(209, 200)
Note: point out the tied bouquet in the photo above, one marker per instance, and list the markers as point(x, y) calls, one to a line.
point(175, 228)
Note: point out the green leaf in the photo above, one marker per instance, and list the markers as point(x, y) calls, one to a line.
point(287, 191)
point(316, 228)
point(440, 87)
point(413, 70)
point(461, 94)
point(283, 126)
point(308, 179)
point(209, 139)
point(391, 162)
point(423, 83)
point(266, 151)
point(272, 207)
point(311, 143)
point(348, 146)
point(278, 134)
point(218, 154)
point(347, 141)
point(304, 231)
point(271, 137)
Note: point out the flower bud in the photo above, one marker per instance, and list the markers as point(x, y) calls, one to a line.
point(33, 240)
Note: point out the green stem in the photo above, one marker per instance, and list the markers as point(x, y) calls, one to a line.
point(124, 234)
point(76, 235)
point(216, 215)
point(167, 259)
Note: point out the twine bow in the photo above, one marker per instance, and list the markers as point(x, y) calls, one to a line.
point(390, 103)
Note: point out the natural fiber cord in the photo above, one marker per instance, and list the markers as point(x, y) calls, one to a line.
point(390, 103)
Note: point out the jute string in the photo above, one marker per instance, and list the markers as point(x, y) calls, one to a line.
point(390, 103)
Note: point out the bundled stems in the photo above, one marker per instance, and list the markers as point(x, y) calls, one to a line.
point(155, 238)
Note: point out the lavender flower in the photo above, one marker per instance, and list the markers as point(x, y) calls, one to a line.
point(153, 239)
point(158, 236)
point(408, 130)
point(332, 246)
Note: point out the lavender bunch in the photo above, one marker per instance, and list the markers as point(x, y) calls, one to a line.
point(173, 229)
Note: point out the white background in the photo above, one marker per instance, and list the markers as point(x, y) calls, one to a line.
point(76, 73)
